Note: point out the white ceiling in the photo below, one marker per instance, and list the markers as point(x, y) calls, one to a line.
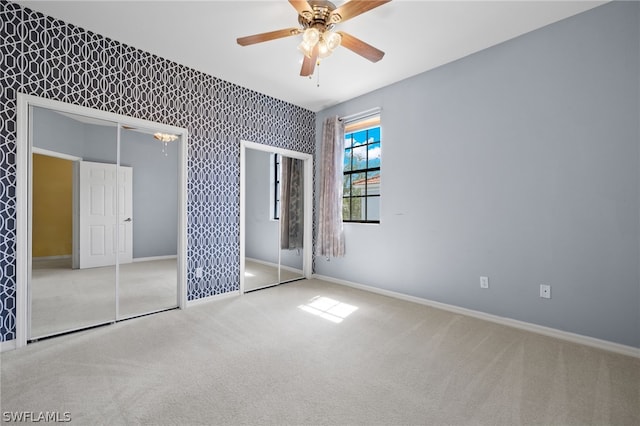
point(416, 36)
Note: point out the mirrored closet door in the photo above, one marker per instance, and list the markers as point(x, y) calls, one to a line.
point(275, 245)
point(64, 298)
point(104, 222)
point(291, 221)
point(149, 282)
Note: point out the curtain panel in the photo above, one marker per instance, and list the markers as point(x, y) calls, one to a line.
point(330, 242)
point(292, 204)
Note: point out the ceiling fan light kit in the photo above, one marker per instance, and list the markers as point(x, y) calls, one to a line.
point(165, 137)
point(327, 42)
point(316, 19)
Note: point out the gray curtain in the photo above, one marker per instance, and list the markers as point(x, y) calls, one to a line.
point(330, 233)
point(291, 203)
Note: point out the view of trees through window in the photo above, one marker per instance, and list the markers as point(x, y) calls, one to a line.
point(361, 187)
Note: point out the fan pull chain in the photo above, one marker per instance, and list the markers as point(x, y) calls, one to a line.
point(318, 76)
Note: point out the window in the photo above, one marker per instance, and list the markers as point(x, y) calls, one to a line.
point(361, 187)
point(275, 186)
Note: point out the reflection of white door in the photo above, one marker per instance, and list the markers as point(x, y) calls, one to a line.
point(101, 216)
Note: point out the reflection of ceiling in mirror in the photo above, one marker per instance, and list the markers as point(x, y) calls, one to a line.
point(98, 122)
point(87, 120)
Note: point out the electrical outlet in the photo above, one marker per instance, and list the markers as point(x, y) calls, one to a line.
point(545, 291)
point(198, 272)
point(484, 282)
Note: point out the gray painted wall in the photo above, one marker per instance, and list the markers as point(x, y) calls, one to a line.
point(261, 240)
point(520, 162)
point(155, 193)
point(155, 176)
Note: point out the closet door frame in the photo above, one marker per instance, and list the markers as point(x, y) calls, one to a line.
point(24, 193)
point(307, 256)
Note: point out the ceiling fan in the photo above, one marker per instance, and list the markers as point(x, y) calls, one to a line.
point(317, 18)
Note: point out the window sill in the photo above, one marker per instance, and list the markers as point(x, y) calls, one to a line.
point(354, 222)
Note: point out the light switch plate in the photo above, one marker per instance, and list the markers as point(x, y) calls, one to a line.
point(484, 282)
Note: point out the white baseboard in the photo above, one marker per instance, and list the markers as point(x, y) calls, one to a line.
point(152, 258)
point(539, 329)
point(8, 345)
point(62, 256)
point(215, 297)
point(291, 269)
point(275, 265)
point(262, 262)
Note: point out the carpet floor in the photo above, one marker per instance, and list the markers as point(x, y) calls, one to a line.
point(311, 352)
point(64, 299)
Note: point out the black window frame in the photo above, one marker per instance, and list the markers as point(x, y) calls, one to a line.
point(350, 197)
point(276, 187)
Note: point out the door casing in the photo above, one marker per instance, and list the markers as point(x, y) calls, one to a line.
point(24, 192)
point(308, 204)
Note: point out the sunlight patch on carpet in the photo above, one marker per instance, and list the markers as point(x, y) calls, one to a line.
point(329, 309)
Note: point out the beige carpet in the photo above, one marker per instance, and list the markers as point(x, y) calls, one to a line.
point(262, 359)
point(64, 299)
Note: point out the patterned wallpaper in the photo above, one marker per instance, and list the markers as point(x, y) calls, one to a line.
point(45, 57)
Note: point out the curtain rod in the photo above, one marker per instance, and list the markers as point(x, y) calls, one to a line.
point(360, 115)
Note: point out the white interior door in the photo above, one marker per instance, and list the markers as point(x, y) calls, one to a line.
point(105, 214)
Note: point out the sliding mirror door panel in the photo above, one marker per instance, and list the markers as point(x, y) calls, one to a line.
point(148, 282)
point(291, 218)
point(261, 220)
point(74, 222)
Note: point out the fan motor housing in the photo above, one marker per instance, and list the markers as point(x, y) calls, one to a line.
point(321, 17)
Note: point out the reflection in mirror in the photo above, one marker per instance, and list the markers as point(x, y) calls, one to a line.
point(149, 282)
point(91, 210)
point(261, 219)
point(291, 218)
point(63, 298)
point(274, 225)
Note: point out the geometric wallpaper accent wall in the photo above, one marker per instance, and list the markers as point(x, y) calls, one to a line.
point(49, 58)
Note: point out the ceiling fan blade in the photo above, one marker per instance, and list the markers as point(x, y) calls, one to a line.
point(360, 47)
point(273, 35)
point(354, 8)
point(302, 6)
point(309, 63)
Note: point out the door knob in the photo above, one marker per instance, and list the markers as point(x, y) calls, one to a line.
point(128, 219)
